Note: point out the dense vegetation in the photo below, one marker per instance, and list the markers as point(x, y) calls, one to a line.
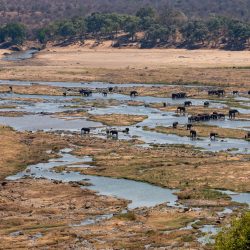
point(235, 237)
point(147, 28)
point(39, 12)
point(13, 32)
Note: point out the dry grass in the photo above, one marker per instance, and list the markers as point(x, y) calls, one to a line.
point(34, 90)
point(21, 149)
point(168, 221)
point(41, 206)
point(133, 65)
point(118, 119)
point(202, 130)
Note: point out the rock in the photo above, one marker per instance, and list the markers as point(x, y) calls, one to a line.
point(4, 183)
point(87, 205)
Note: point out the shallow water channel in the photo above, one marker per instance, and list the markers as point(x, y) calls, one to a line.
point(52, 104)
point(139, 193)
point(20, 55)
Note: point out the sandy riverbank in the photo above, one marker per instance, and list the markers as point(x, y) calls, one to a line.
point(132, 65)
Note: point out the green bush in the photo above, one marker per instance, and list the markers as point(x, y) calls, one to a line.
point(235, 237)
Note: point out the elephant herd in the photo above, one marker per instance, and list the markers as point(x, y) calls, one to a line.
point(181, 109)
point(193, 133)
point(220, 92)
point(109, 132)
point(206, 117)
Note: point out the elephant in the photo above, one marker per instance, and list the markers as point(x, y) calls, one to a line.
point(175, 124)
point(193, 134)
point(189, 126)
point(85, 131)
point(181, 110)
point(187, 103)
point(134, 93)
point(232, 113)
point(213, 135)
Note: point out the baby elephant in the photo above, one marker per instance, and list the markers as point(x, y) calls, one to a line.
point(213, 136)
point(175, 124)
point(206, 104)
point(125, 131)
point(189, 126)
point(247, 136)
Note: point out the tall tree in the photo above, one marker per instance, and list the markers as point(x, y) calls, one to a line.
point(16, 32)
point(132, 25)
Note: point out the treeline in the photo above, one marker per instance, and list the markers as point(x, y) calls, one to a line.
point(36, 12)
point(146, 28)
point(169, 29)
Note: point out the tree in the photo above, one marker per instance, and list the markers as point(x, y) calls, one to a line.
point(235, 237)
point(158, 32)
point(146, 12)
point(147, 17)
point(132, 25)
point(42, 35)
point(194, 32)
point(172, 17)
point(94, 23)
point(216, 28)
point(79, 25)
point(2, 34)
point(66, 29)
point(238, 34)
point(16, 32)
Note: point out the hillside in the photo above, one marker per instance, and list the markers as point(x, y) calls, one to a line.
point(39, 12)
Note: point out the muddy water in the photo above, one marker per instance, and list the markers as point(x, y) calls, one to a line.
point(140, 194)
point(20, 55)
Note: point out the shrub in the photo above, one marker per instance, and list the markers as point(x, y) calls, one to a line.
point(235, 237)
